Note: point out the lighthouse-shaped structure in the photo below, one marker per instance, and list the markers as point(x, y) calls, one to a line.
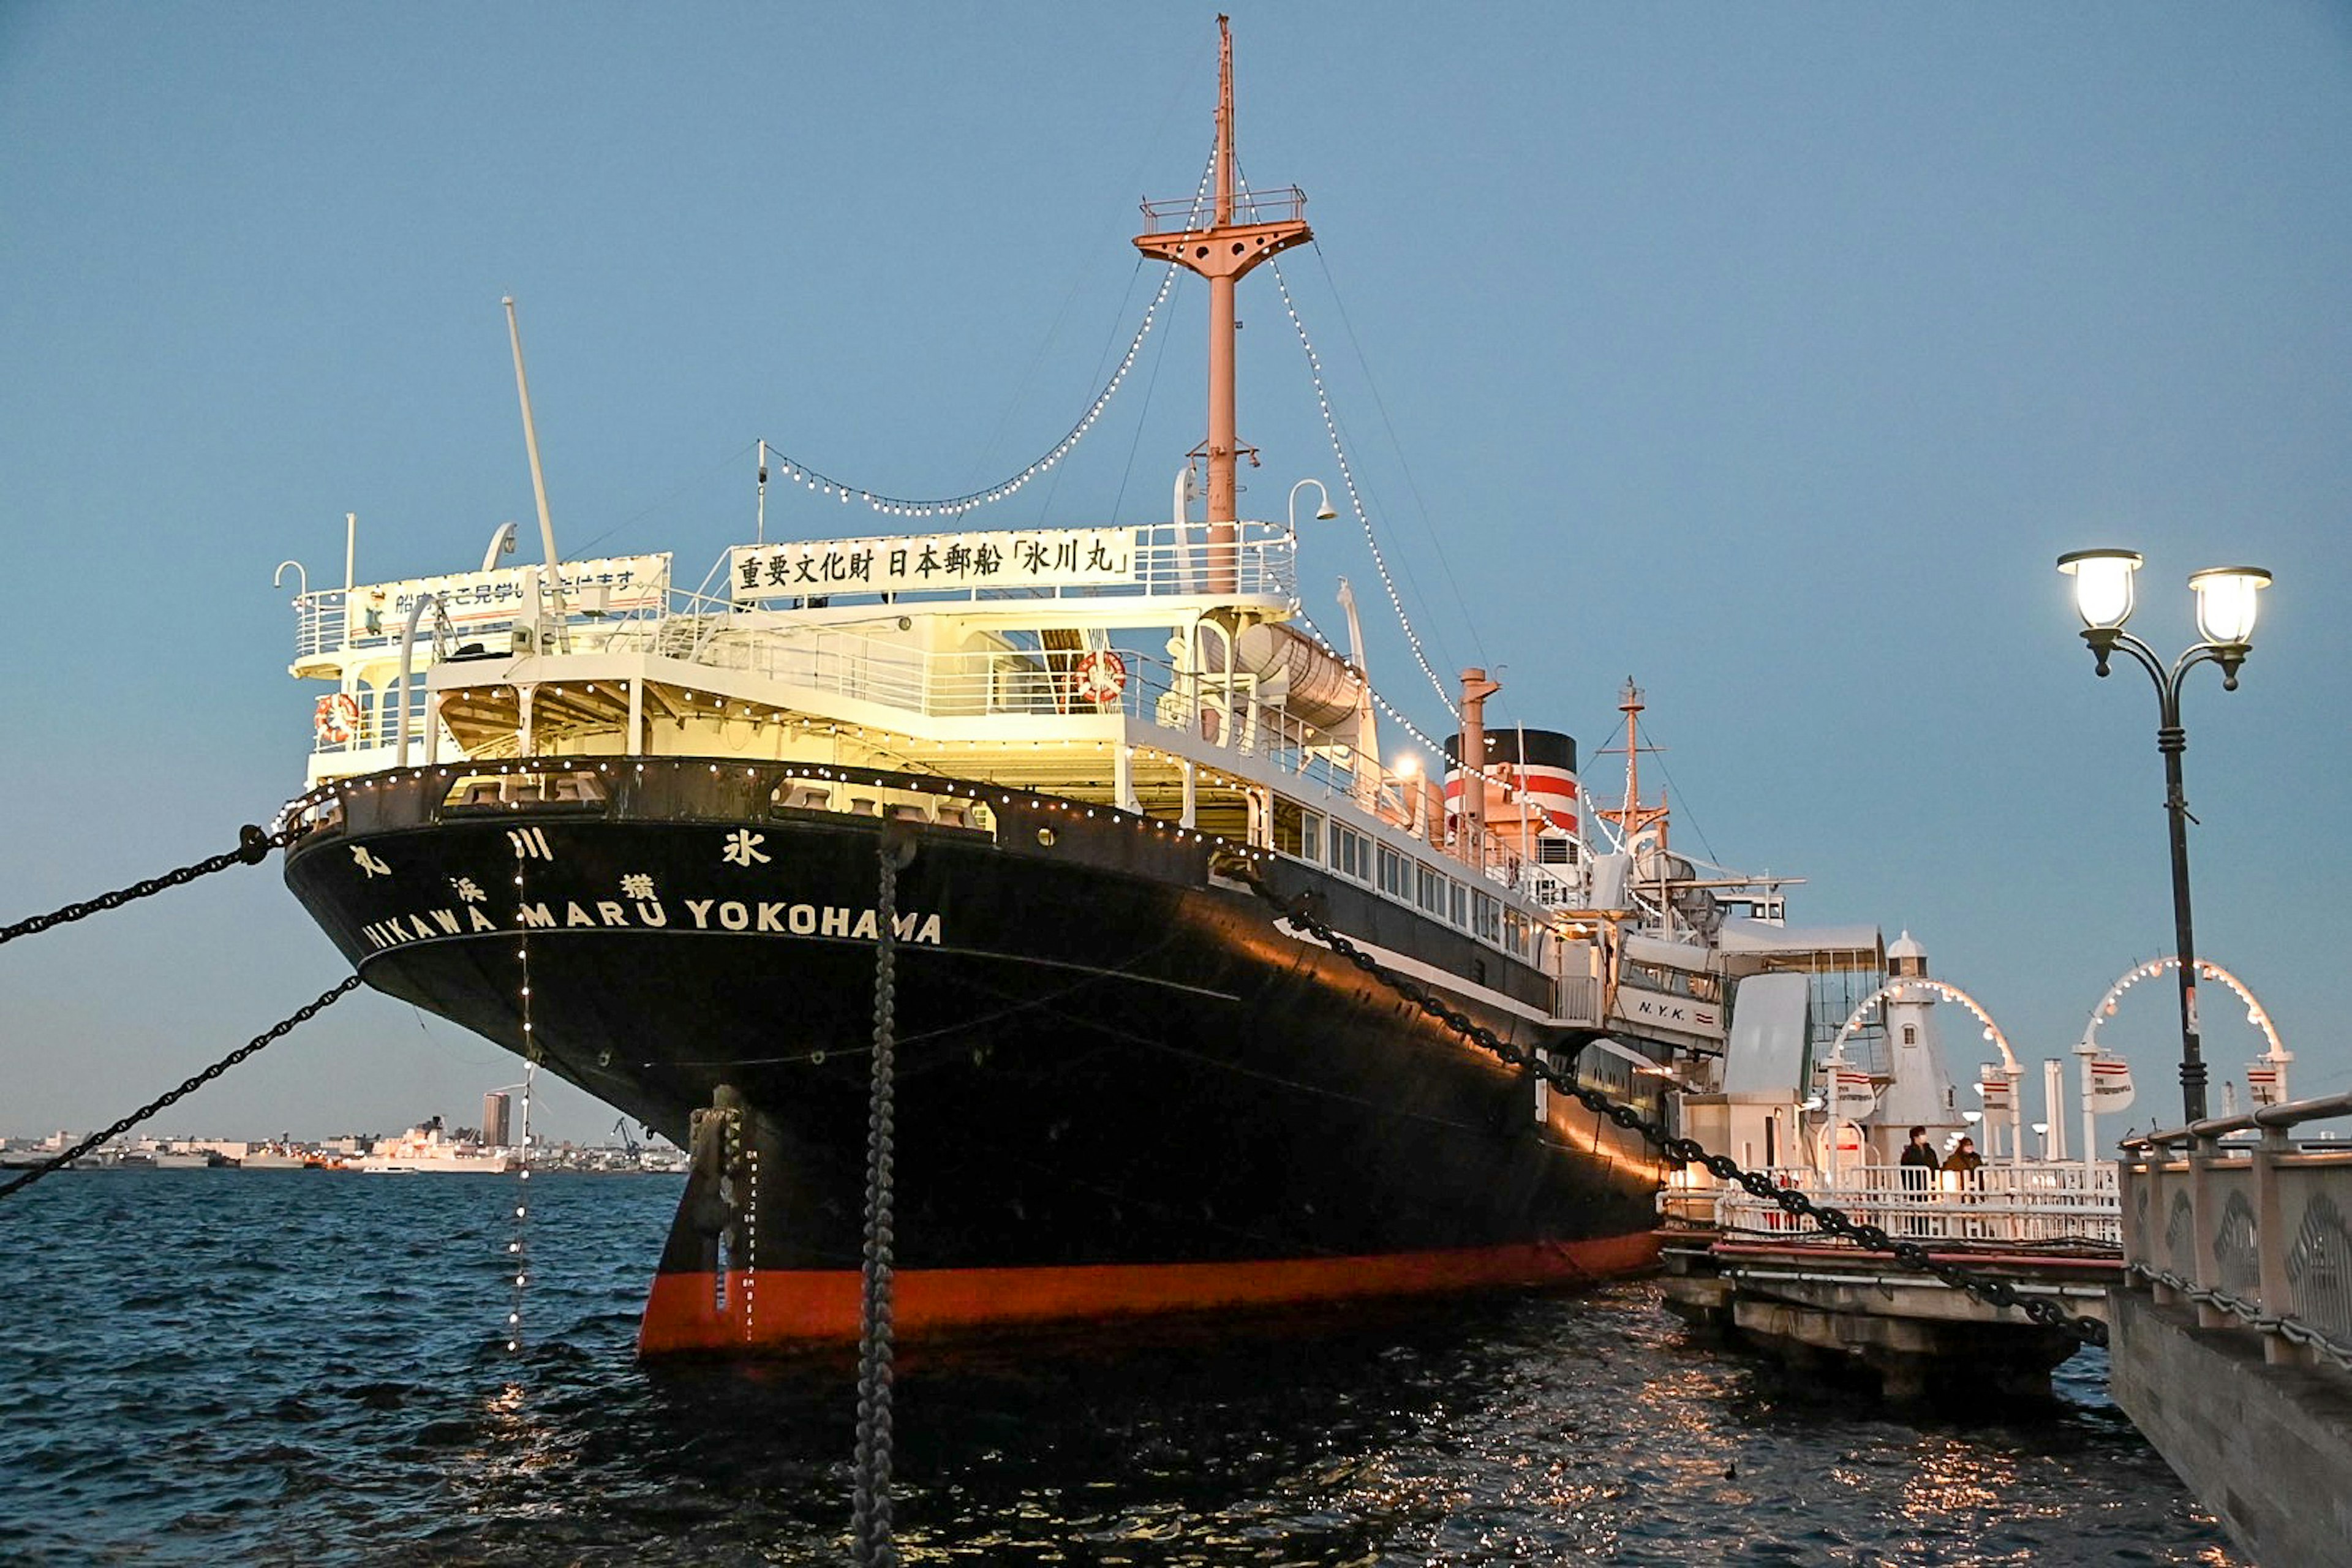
point(1919, 1091)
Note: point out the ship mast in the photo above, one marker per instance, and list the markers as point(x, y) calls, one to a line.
point(1630, 816)
point(1241, 235)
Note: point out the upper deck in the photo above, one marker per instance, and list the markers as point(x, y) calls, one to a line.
point(1088, 577)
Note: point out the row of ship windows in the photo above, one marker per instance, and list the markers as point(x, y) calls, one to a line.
point(1673, 982)
point(1311, 837)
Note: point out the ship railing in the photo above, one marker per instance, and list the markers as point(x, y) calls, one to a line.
point(1193, 214)
point(2246, 1220)
point(1578, 1001)
point(2042, 1204)
point(318, 624)
point(1166, 561)
point(1053, 682)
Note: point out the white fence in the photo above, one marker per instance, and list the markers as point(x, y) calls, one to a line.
point(2039, 1203)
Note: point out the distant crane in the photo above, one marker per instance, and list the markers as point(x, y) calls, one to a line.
point(622, 1127)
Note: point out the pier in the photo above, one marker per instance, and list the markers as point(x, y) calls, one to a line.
point(1738, 1265)
point(2218, 1255)
point(2232, 1321)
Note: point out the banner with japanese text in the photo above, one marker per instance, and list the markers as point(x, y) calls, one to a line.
point(1056, 558)
point(617, 585)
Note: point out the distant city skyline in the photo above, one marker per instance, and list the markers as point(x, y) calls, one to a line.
point(1769, 357)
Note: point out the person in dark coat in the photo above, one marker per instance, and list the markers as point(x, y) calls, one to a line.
point(1919, 1168)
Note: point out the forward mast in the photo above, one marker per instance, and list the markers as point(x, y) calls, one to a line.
point(1246, 228)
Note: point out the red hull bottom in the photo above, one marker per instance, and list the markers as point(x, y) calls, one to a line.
point(776, 1309)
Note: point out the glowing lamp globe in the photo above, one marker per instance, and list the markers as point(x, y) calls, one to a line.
point(2103, 586)
point(2225, 603)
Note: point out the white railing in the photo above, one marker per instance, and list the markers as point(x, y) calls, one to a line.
point(2037, 1203)
point(1579, 1000)
point(1169, 562)
point(2255, 1235)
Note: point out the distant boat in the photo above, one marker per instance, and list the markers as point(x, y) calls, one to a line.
point(428, 1149)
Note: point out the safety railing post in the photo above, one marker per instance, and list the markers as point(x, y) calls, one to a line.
point(2270, 1247)
point(2206, 1273)
point(2155, 1167)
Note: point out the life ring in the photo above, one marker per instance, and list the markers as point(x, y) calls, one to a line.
point(1100, 678)
point(337, 719)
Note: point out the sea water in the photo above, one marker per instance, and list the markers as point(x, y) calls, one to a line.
point(295, 1367)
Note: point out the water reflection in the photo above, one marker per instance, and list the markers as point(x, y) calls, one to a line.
point(294, 1417)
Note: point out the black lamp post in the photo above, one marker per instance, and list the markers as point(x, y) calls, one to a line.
point(2225, 617)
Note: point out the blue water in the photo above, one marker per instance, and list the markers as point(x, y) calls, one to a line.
point(289, 1367)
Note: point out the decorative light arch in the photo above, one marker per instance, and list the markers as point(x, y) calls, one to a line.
point(2256, 1013)
point(1895, 990)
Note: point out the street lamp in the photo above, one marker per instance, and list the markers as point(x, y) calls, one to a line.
point(2225, 618)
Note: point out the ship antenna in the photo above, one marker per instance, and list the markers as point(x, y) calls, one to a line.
point(1631, 816)
point(538, 479)
point(1241, 235)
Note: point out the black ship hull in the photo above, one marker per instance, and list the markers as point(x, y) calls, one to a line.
point(1122, 1086)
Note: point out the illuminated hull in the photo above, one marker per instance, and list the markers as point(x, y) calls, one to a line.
point(1122, 1088)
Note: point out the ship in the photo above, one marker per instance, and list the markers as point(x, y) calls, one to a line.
point(636, 834)
point(428, 1149)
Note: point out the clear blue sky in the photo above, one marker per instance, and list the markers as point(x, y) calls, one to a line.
point(1767, 354)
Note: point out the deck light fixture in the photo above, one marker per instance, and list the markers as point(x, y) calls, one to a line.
point(1323, 513)
point(2226, 604)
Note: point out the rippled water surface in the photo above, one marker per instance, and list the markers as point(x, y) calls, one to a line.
point(289, 1367)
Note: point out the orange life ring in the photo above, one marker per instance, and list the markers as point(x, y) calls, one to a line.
point(1100, 678)
point(337, 719)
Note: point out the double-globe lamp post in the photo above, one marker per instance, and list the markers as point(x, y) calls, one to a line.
point(2225, 617)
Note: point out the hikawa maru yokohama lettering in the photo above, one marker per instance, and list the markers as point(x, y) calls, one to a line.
point(747, 916)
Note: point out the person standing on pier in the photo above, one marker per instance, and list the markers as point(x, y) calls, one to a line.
point(1919, 1168)
point(1919, 1162)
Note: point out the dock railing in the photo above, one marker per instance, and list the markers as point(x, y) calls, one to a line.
point(2041, 1203)
point(2239, 1218)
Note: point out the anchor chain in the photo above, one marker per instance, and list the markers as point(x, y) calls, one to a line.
point(871, 1542)
point(1992, 1291)
point(307, 1011)
point(253, 847)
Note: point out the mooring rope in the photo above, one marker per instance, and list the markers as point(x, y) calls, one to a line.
point(871, 1542)
point(307, 1011)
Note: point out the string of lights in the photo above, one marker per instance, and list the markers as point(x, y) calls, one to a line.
point(518, 1254)
point(750, 1258)
point(1355, 499)
point(824, 484)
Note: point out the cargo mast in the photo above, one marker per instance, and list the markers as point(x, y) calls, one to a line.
point(1244, 231)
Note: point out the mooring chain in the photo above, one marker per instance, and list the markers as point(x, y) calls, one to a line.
point(253, 847)
point(871, 1542)
point(307, 1011)
point(2285, 1325)
point(1995, 1292)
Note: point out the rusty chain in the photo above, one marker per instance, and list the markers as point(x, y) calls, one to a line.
point(1993, 1291)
